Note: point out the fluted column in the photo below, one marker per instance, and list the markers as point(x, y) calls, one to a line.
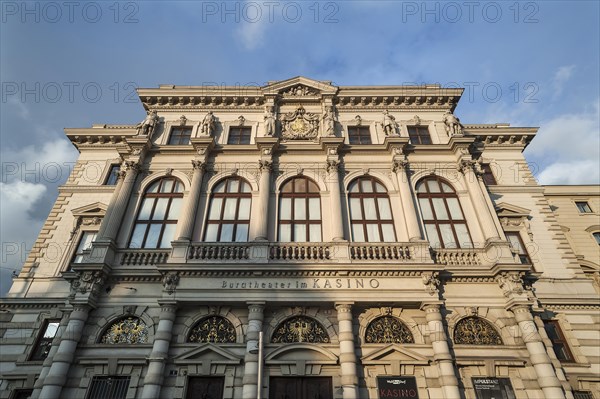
point(484, 216)
point(188, 216)
point(111, 204)
point(264, 188)
point(347, 353)
point(400, 167)
point(441, 351)
point(337, 219)
point(61, 361)
point(542, 364)
point(120, 205)
point(255, 320)
point(160, 351)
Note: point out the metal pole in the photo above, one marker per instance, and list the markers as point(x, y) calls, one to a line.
point(260, 366)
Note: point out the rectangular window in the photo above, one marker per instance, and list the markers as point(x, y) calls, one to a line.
point(239, 135)
point(113, 175)
point(582, 395)
point(559, 342)
point(419, 135)
point(583, 207)
point(85, 242)
point(44, 342)
point(514, 238)
point(488, 175)
point(596, 237)
point(108, 387)
point(359, 135)
point(180, 136)
point(22, 393)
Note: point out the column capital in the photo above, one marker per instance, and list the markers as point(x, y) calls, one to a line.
point(198, 164)
point(344, 307)
point(256, 307)
point(265, 165)
point(333, 166)
point(400, 165)
point(431, 307)
point(465, 166)
point(131, 167)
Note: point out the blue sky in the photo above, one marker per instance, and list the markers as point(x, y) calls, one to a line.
point(526, 63)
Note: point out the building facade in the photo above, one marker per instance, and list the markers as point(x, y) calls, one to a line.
point(303, 240)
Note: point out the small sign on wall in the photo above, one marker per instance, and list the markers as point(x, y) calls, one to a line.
point(397, 387)
point(493, 388)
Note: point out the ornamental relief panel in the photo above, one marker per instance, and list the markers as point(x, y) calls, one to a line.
point(299, 125)
point(476, 331)
point(130, 330)
point(388, 330)
point(215, 329)
point(300, 329)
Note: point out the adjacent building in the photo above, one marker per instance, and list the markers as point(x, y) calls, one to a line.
point(304, 240)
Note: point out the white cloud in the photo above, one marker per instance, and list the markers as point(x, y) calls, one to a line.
point(17, 230)
point(561, 76)
point(576, 172)
point(253, 24)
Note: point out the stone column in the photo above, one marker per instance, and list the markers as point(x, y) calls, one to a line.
point(335, 199)
point(484, 216)
point(120, 205)
point(441, 351)
point(400, 167)
point(188, 216)
point(111, 204)
point(347, 353)
point(255, 320)
point(264, 188)
point(61, 361)
point(160, 352)
point(542, 364)
point(39, 383)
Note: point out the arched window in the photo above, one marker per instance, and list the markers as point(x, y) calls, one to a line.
point(388, 330)
point(300, 211)
point(476, 331)
point(370, 211)
point(214, 329)
point(300, 329)
point(157, 218)
point(229, 212)
point(129, 330)
point(442, 215)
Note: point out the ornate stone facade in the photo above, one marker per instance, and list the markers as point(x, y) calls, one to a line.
point(327, 245)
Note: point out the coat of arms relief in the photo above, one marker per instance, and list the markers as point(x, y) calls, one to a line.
point(299, 125)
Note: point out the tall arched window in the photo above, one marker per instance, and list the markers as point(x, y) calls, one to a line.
point(370, 211)
point(229, 212)
point(157, 218)
point(443, 217)
point(300, 211)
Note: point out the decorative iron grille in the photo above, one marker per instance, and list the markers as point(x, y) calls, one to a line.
point(108, 387)
point(475, 331)
point(126, 331)
point(300, 329)
point(214, 329)
point(388, 330)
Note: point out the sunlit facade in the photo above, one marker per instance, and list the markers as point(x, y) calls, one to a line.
point(306, 240)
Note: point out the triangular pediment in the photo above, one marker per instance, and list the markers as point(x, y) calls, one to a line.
point(208, 352)
point(300, 86)
point(95, 209)
point(310, 354)
point(507, 210)
point(394, 353)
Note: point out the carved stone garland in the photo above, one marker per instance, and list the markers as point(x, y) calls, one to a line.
point(215, 329)
point(388, 330)
point(300, 329)
point(476, 331)
point(130, 330)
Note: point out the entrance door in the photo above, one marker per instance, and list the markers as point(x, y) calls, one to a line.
point(205, 388)
point(300, 388)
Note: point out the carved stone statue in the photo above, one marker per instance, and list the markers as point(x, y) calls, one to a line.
point(453, 126)
point(147, 126)
point(269, 122)
point(207, 126)
point(329, 122)
point(390, 126)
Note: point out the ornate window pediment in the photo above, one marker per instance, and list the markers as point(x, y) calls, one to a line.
point(388, 330)
point(129, 330)
point(215, 329)
point(300, 329)
point(476, 331)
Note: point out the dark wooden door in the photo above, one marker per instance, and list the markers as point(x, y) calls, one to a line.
point(300, 388)
point(205, 388)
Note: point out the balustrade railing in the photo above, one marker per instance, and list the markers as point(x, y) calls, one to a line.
point(139, 257)
point(219, 251)
point(299, 251)
point(458, 257)
point(366, 251)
